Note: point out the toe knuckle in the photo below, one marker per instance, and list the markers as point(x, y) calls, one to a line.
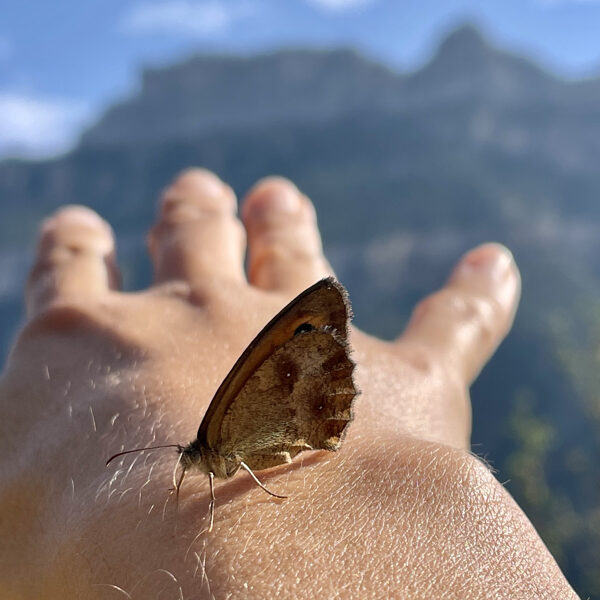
point(191, 215)
point(279, 252)
point(477, 311)
point(483, 313)
point(59, 315)
point(56, 245)
point(52, 259)
point(421, 360)
point(49, 261)
point(43, 272)
point(435, 304)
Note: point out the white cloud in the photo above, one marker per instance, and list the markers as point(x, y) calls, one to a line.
point(190, 17)
point(37, 127)
point(339, 5)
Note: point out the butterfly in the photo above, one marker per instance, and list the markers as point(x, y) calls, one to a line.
point(291, 390)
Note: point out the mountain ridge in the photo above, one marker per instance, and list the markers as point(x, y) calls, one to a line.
point(207, 92)
point(282, 88)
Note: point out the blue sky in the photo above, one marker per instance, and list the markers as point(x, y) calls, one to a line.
point(62, 62)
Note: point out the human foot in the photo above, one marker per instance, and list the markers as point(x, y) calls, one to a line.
point(402, 510)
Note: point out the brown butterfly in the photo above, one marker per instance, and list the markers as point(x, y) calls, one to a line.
point(291, 390)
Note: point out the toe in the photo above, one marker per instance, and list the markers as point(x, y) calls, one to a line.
point(284, 244)
point(197, 235)
point(75, 259)
point(464, 322)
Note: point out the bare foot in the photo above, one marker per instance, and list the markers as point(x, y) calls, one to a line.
point(401, 511)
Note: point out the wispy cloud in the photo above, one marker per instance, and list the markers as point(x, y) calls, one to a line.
point(189, 17)
point(36, 127)
point(339, 5)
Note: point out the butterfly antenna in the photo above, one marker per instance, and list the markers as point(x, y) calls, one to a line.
point(262, 485)
point(141, 450)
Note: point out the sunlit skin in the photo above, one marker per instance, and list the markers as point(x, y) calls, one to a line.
point(402, 510)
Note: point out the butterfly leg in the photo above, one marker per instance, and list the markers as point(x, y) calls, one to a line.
point(178, 487)
point(211, 506)
point(247, 468)
point(177, 484)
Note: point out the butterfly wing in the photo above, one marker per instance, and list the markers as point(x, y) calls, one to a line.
point(299, 398)
point(319, 314)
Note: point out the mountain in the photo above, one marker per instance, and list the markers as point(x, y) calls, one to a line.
point(215, 93)
point(467, 65)
point(407, 171)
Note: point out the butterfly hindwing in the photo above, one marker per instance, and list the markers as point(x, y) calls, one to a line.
point(300, 398)
point(322, 313)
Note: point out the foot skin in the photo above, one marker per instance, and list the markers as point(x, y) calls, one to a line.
point(401, 511)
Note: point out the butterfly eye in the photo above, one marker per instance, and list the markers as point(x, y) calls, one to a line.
point(303, 328)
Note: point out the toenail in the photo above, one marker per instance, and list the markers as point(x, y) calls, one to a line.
point(79, 216)
point(198, 181)
point(492, 260)
point(272, 198)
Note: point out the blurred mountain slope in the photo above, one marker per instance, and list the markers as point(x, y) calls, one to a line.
point(215, 93)
point(407, 172)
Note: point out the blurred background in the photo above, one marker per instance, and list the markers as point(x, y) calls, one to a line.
point(420, 128)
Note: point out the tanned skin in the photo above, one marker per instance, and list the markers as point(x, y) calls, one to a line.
point(402, 510)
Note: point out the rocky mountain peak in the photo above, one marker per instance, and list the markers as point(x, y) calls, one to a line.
point(209, 93)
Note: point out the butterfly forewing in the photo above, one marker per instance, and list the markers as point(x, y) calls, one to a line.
point(322, 307)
